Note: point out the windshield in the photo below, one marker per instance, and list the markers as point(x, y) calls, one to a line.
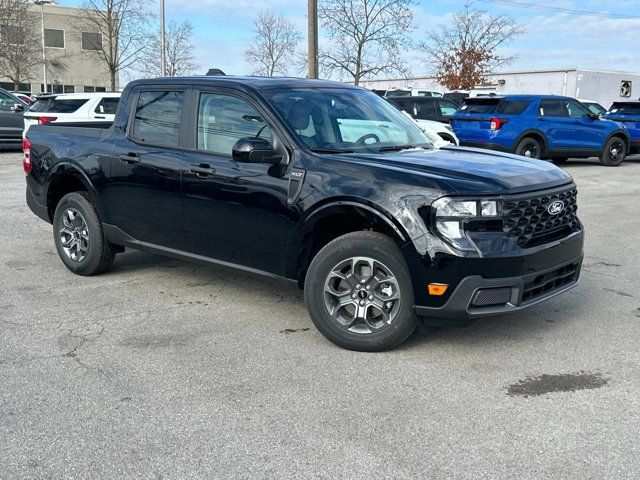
point(595, 108)
point(345, 120)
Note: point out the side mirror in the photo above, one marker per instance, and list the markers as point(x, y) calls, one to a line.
point(593, 116)
point(255, 150)
point(17, 107)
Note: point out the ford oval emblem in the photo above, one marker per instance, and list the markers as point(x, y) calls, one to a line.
point(555, 207)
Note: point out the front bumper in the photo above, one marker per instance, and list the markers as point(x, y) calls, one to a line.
point(523, 292)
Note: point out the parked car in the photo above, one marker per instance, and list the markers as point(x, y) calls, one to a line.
point(594, 107)
point(540, 126)
point(459, 96)
point(22, 96)
point(628, 113)
point(426, 108)
point(412, 92)
point(11, 121)
point(439, 133)
point(72, 108)
point(318, 182)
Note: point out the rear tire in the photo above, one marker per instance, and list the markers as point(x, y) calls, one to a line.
point(614, 153)
point(78, 236)
point(529, 147)
point(346, 283)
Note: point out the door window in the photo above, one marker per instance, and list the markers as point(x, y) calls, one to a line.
point(552, 108)
point(224, 119)
point(575, 109)
point(6, 102)
point(424, 110)
point(157, 118)
point(107, 106)
point(447, 108)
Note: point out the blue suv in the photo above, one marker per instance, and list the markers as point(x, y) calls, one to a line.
point(540, 126)
point(627, 113)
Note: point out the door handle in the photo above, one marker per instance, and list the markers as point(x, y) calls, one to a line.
point(202, 170)
point(101, 118)
point(130, 158)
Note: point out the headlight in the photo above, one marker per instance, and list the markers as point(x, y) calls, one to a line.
point(451, 215)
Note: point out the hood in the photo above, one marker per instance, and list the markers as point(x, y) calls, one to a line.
point(471, 170)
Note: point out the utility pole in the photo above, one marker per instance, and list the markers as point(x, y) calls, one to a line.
point(163, 39)
point(44, 48)
point(312, 53)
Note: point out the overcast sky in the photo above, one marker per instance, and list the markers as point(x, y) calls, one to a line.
point(552, 39)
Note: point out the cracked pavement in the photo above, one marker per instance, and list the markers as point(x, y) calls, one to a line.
point(162, 369)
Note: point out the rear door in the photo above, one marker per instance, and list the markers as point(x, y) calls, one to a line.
point(142, 194)
point(556, 125)
point(106, 108)
point(11, 122)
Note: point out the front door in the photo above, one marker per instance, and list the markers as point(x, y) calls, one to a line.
point(234, 212)
point(11, 122)
point(142, 193)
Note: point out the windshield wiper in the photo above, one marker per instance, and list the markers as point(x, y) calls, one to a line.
point(397, 148)
point(330, 150)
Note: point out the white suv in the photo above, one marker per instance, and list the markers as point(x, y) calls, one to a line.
point(72, 108)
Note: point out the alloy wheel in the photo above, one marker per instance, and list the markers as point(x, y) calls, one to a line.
point(362, 295)
point(74, 235)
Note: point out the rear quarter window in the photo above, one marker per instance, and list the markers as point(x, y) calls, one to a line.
point(513, 107)
point(55, 105)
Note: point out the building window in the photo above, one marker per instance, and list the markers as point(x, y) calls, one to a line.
point(23, 87)
point(69, 89)
point(53, 38)
point(88, 89)
point(91, 41)
point(11, 34)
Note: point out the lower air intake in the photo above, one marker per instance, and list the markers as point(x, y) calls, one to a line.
point(487, 297)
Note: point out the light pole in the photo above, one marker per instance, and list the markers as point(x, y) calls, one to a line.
point(42, 3)
point(163, 66)
point(312, 32)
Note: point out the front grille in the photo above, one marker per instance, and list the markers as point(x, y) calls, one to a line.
point(528, 221)
point(486, 297)
point(546, 283)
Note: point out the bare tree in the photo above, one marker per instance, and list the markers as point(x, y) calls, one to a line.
point(178, 52)
point(20, 41)
point(123, 28)
point(274, 47)
point(366, 36)
point(463, 52)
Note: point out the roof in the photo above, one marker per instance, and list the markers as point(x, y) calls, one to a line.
point(522, 96)
point(257, 83)
point(79, 96)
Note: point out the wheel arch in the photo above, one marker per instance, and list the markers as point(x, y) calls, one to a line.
point(331, 220)
point(620, 134)
point(66, 178)
point(533, 133)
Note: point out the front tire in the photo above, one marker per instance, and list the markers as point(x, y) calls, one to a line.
point(78, 236)
point(359, 294)
point(529, 147)
point(615, 151)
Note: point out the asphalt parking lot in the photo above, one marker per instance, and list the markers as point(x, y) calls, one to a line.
point(161, 369)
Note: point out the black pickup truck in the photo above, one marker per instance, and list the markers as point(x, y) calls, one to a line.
point(317, 182)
